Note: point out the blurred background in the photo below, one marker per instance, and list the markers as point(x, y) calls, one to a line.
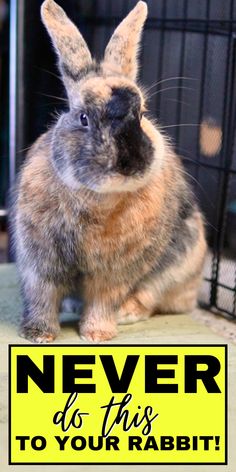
point(188, 65)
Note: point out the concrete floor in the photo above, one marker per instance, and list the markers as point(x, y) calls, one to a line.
point(198, 328)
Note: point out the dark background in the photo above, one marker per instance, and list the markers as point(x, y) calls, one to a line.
point(188, 45)
point(190, 39)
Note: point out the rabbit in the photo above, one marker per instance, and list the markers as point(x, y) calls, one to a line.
point(103, 207)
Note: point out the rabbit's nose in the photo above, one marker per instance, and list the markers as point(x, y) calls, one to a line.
point(111, 160)
point(110, 163)
point(106, 157)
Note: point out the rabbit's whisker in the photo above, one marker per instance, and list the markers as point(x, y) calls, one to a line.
point(52, 96)
point(179, 125)
point(177, 101)
point(185, 150)
point(157, 92)
point(24, 149)
point(48, 72)
point(169, 79)
point(198, 184)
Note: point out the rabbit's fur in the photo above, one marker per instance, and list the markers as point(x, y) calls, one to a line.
point(103, 207)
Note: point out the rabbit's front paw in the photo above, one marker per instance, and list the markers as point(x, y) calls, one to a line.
point(131, 312)
point(36, 334)
point(97, 332)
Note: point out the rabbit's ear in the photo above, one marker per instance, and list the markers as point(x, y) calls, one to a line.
point(122, 49)
point(72, 50)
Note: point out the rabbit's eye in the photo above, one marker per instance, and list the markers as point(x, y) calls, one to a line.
point(84, 120)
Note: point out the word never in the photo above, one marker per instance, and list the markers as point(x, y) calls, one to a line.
point(45, 379)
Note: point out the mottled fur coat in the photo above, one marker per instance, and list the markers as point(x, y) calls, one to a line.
point(103, 208)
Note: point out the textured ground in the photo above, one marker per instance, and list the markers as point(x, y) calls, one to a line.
point(200, 327)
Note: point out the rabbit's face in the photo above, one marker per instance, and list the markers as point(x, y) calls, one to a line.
point(103, 142)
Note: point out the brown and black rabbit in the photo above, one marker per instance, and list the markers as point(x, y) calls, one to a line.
point(103, 207)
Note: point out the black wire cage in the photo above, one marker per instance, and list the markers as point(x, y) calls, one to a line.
point(188, 65)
